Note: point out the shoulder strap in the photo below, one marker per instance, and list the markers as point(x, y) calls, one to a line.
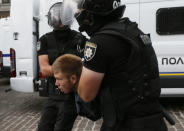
point(140, 43)
point(122, 33)
point(130, 33)
point(77, 43)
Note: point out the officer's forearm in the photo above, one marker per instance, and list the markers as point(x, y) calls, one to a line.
point(47, 70)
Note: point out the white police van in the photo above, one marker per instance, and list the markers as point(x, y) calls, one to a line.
point(28, 23)
point(5, 47)
point(163, 19)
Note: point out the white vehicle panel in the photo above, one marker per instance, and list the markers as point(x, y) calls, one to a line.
point(170, 56)
point(148, 19)
point(22, 24)
point(24, 43)
point(44, 9)
point(132, 12)
point(175, 92)
point(150, 1)
point(23, 84)
point(129, 1)
point(22, 68)
point(5, 40)
point(166, 46)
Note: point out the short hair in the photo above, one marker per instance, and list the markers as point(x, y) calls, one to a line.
point(68, 64)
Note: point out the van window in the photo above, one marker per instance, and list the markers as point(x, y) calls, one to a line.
point(170, 21)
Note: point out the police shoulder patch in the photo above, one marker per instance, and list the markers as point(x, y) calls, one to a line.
point(146, 39)
point(38, 45)
point(90, 50)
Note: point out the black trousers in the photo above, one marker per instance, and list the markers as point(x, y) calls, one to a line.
point(58, 115)
point(138, 125)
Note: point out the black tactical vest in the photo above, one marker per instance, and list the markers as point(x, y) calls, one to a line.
point(57, 47)
point(135, 91)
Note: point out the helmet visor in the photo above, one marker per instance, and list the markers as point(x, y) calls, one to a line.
point(69, 9)
point(54, 15)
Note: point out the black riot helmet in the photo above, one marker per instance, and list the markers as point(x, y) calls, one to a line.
point(60, 15)
point(102, 7)
point(54, 19)
point(96, 13)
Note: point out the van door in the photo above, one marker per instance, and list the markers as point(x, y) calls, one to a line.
point(164, 20)
point(22, 42)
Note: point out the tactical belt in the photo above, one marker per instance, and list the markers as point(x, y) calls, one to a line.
point(150, 121)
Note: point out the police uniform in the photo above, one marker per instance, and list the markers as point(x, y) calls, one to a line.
point(129, 92)
point(59, 112)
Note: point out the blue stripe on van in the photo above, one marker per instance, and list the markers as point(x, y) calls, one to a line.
point(6, 55)
point(171, 73)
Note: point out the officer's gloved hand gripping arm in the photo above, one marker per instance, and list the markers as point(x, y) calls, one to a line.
point(89, 84)
point(45, 67)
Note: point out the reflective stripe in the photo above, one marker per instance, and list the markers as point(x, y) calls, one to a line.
point(171, 73)
point(6, 55)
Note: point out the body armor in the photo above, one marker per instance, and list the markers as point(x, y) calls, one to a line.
point(127, 93)
point(57, 47)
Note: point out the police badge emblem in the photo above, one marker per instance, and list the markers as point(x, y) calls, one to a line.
point(90, 50)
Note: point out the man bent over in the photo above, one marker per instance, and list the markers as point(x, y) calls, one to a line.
point(67, 70)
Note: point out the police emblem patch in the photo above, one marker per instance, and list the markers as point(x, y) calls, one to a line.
point(38, 45)
point(146, 39)
point(90, 50)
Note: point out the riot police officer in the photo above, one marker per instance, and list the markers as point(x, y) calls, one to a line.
point(59, 112)
point(120, 68)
